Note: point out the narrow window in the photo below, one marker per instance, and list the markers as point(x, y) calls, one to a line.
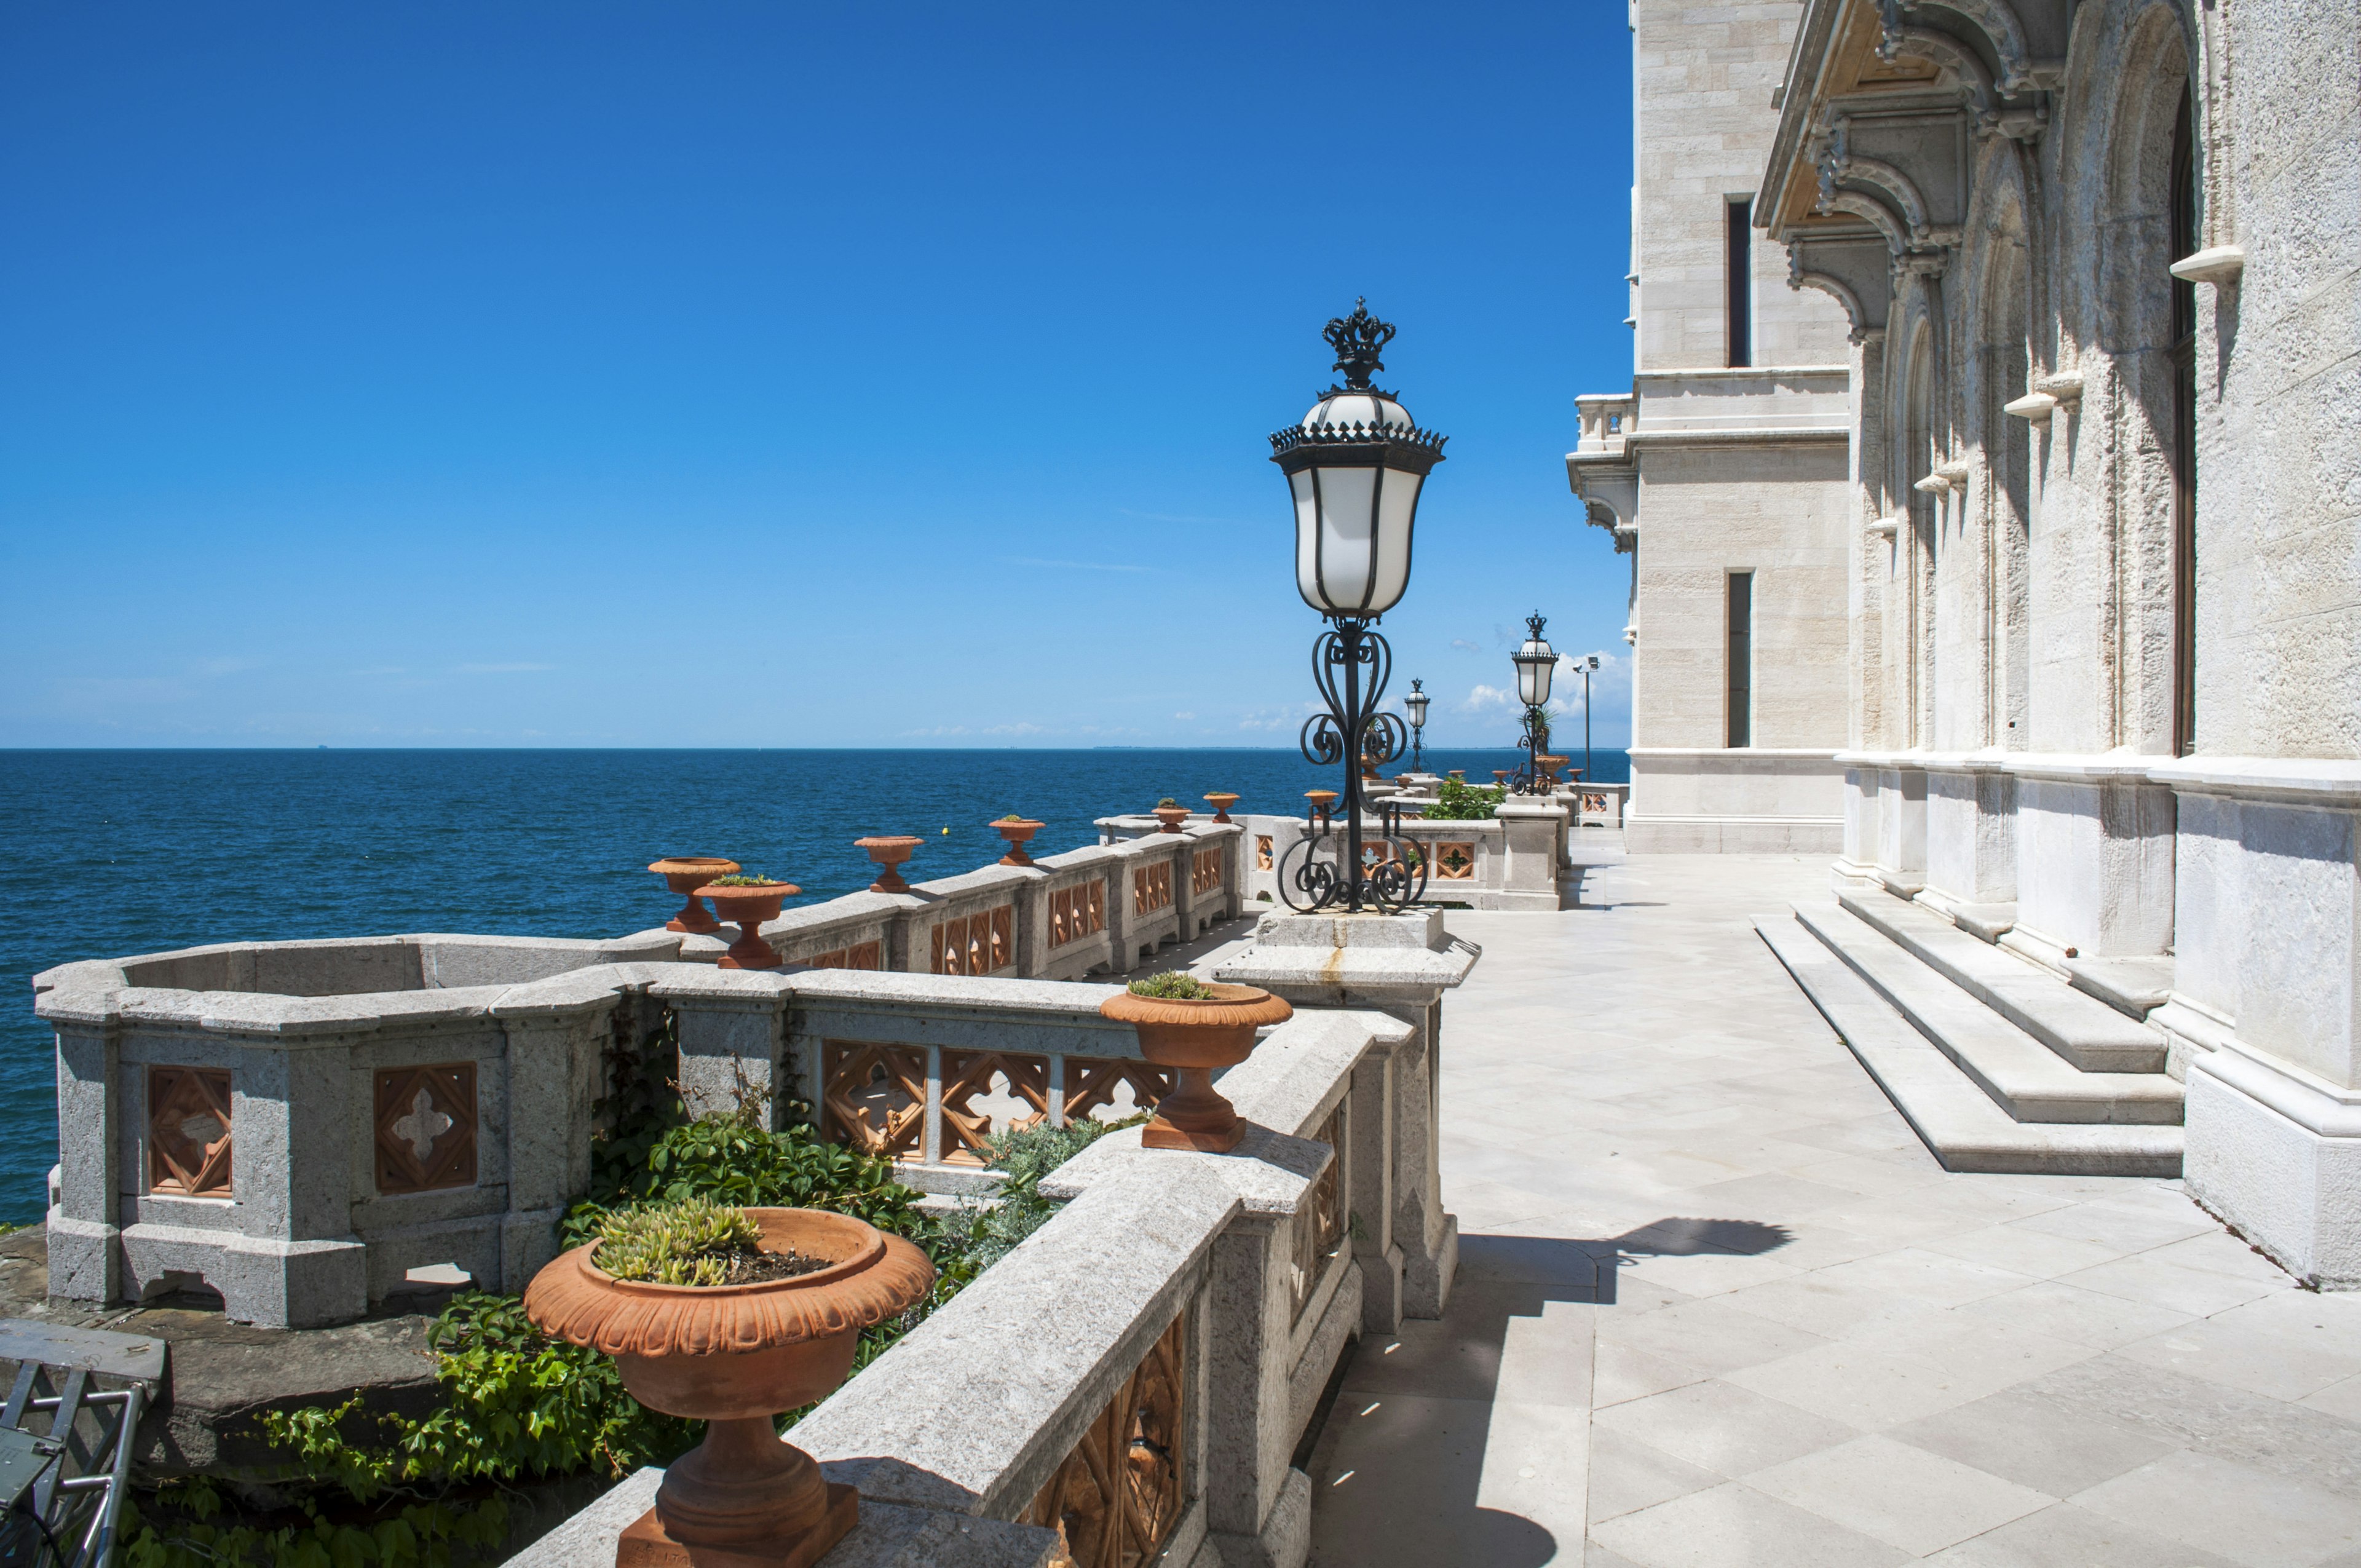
point(2183, 355)
point(1740, 282)
point(1741, 658)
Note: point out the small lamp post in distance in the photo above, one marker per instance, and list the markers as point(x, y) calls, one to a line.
point(1416, 704)
point(1536, 661)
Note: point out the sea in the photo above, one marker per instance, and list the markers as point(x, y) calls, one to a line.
point(110, 853)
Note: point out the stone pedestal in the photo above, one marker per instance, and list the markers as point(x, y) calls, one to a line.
point(1400, 965)
point(1534, 846)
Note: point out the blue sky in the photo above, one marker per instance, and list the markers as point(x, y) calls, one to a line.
point(769, 375)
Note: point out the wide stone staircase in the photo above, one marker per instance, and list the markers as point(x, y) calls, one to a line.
point(1998, 1064)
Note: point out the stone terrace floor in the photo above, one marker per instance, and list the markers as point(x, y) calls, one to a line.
point(1717, 1304)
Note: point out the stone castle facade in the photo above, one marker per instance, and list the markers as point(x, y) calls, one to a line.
point(2010, 554)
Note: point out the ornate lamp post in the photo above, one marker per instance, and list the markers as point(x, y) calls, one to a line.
point(1535, 662)
point(1354, 466)
point(1416, 704)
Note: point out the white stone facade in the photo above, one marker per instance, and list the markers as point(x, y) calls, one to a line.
point(1728, 457)
point(2102, 269)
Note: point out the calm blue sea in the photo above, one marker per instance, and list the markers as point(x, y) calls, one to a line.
point(117, 852)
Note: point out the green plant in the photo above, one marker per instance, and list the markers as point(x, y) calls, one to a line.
point(746, 879)
point(976, 1235)
point(1015, 817)
point(692, 1242)
point(1173, 985)
point(1168, 800)
point(1456, 800)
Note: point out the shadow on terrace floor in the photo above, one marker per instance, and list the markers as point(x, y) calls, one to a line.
point(1465, 1440)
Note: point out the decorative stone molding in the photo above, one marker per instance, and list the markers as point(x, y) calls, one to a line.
point(426, 1128)
point(189, 1131)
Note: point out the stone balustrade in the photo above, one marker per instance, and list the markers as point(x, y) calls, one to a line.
point(301, 1126)
point(1509, 862)
point(1130, 1382)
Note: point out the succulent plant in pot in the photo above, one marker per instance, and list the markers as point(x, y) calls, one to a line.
point(1171, 813)
point(1193, 1027)
point(731, 1316)
point(748, 899)
point(1016, 830)
point(685, 874)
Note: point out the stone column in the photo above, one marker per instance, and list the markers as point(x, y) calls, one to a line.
point(1370, 1197)
point(1257, 1509)
point(553, 1065)
point(85, 1226)
point(729, 1022)
point(1400, 965)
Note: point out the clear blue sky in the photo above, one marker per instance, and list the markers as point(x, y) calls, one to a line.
point(777, 375)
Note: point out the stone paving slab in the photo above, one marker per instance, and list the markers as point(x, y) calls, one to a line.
point(1720, 1306)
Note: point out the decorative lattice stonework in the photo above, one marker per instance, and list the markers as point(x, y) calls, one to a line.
point(1320, 1222)
point(1205, 871)
point(425, 1127)
point(1092, 1085)
point(863, 955)
point(1454, 862)
point(1262, 851)
point(188, 1130)
point(975, 944)
point(986, 1092)
point(1117, 1495)
point(874, 1096)
point(1077, 912)
point(1151, 888)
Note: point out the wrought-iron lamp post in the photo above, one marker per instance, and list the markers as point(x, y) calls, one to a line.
point(1535, 662)
point(1355, 466)
point(1416, 704)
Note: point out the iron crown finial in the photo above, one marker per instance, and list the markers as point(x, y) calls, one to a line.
point(1358, 339)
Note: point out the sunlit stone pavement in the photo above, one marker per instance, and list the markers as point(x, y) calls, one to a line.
point(1717, 1305)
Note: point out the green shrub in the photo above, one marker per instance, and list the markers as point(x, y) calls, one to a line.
point(1173, 985)
point(1456, 800)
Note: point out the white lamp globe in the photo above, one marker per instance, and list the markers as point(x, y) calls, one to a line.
point(1355, 467)
point(1536, 662)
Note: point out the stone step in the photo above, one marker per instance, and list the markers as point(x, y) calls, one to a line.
point(1984, 922)
point(2024, 1077)
point(1958, 1121)
point(2088, 1032)
point(2133, 987)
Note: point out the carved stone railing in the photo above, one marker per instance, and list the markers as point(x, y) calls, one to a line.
point(1195, 1333)
point(302, 1150)
point(1510, 861)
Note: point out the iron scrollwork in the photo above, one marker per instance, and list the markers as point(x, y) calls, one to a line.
point(1336, 864)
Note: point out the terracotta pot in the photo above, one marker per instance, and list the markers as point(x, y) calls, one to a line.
point(735, 1355)
point(1017, 833)
point(749, 906)
point(1171, 816)
point(889, 852)
point(1194, 1038)
point(1322, 801)
point(685, 874)
point(1221, 802)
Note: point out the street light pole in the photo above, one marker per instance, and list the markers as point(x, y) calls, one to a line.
point(1354, 466)
point(1416, 702)
point(1588, 666)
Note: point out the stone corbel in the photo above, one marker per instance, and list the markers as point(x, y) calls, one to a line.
point(2033, 407)
point(1934, 485)
point(1954, 474)
point(1886, 527)
point(2219, 264)
point(2065, 387)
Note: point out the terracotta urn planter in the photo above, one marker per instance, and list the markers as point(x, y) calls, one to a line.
point(1171, 816)
point(685, 874)
point(1194, 1038)
point(1323, 801)
point(889, 852)
point(1017, 831)
point(1221, 801)
point(735, 1355)
point(749, 906)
